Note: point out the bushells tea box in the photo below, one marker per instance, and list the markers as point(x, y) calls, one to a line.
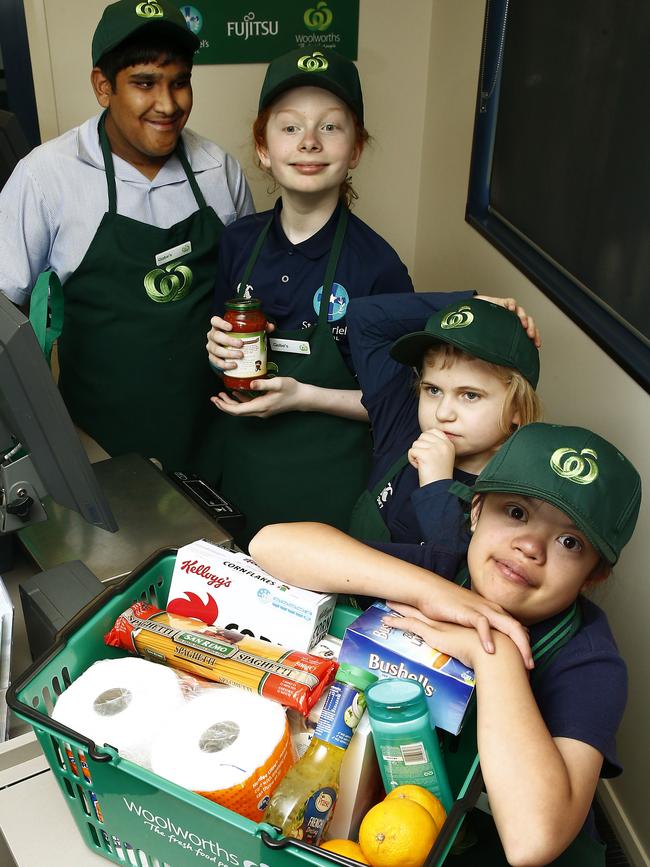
point(230, 590)
point(389, 652)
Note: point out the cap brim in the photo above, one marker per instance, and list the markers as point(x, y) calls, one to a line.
point(184, 35)
point(410, 348)
point(559, 502)
point(307, 79)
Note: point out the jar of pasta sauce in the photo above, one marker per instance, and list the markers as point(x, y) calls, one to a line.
point(249, 324)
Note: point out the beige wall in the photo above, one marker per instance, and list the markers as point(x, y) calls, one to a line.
point(419, 64)
point(579, 384)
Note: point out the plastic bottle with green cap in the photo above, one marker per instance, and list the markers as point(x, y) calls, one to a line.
point(303, 803)
point(406, 743)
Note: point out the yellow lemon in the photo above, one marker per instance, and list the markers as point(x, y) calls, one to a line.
point(347, 848)
point(397, 831)
point(423, 797)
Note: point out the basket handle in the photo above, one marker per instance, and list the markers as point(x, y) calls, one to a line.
point(61, 639)
point(272, 837)
point(455, 817)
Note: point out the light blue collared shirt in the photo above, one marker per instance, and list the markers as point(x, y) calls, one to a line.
point(54, 201)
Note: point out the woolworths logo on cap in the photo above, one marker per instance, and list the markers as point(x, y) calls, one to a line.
point(149, 10)
point(579, 468)
point(169, 284)
point(460, 318)
point(318, 18)
point(316, 62)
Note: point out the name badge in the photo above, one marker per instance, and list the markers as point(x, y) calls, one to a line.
point(174, 253)
point(299, 347)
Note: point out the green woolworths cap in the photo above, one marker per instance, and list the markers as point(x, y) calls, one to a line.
point(123, 18)
point(480, 328)
point(328, 70)
point(576, 470)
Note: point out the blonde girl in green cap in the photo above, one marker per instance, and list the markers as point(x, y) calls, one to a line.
point(474, 362)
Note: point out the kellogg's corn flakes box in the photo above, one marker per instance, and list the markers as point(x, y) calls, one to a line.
point(229, 588)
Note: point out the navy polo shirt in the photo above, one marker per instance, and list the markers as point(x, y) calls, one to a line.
point(288, 278)
point(411, 513)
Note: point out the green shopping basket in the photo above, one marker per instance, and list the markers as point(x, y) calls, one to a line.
point(130, 815)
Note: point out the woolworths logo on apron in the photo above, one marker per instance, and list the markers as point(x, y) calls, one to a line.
point(171, 283)
point(579, 468)
point(149, 10)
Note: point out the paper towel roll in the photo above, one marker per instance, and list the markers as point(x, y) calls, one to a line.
point(121, 702)
point(230, 745)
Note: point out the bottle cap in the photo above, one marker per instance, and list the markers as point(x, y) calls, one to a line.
point(396, 699)
point(355, 676)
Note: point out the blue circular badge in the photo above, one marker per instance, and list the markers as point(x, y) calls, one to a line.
point(339, 300)
point(193, 18)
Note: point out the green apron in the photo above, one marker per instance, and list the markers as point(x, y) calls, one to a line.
point(487, 851)
point(134, 372)
point(299, 466)
point(366, 522)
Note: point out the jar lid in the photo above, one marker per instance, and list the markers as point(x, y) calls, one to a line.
point(243, 303)
point(355, 676)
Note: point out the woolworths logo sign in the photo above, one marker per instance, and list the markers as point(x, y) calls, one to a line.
point(233, 31)
point(318, 18)
point(173, 836)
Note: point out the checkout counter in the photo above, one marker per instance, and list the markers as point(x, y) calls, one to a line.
point(152, 512)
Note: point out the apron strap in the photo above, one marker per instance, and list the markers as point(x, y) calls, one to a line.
point(252, 259)
point(461, 490)
point(548, 645)
point(108, 164)
point(46, 292)
point(392, 471)
point(332, 262)
point(187, 168)
point(110, 168)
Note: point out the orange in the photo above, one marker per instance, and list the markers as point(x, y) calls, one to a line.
point(397, 831)
point(423, 797)
point(347, 848)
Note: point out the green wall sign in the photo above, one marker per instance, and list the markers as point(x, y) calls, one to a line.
point(232, 31)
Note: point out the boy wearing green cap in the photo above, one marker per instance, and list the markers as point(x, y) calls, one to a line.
point(300, 448)
point(477, 369)
point(127, 209)
point(550, 514)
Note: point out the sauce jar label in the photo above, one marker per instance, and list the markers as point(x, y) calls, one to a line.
point(253, 363)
